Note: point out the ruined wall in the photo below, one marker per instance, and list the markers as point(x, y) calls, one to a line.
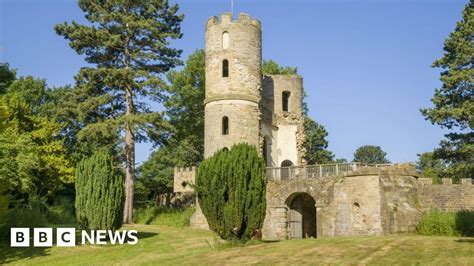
point(287, 126)
point(447, 196)
point(184, 179)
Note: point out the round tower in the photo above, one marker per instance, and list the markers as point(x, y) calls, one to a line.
point(233, 82)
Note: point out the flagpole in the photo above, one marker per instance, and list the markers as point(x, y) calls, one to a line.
point(232, 7)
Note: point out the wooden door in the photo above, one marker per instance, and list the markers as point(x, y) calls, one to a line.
point(296, 220)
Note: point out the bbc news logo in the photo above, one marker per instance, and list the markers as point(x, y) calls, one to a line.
point(66, 237)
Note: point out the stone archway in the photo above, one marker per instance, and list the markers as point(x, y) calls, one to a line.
point(301, 216)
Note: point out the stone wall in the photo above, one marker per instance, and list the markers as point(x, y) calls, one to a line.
point(369, 201)
point(243, 121)
point(447, 196)
point(238, 95)
point(183, 180)
point(287, 134)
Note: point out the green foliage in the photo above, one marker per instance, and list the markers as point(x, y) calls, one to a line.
point(61, 212)
point(185, 146)
point(7, 76)
point(4, 201)
point(436, 222)
point(185, 108)
point(370, 154)
point(465, 222)
point(126, 44)
point(99, 193)
point(453, 105)
point(231, 187)
point(270, 67)
point(32, 156)
point(316, 143)
point(163, 216)
point(431, 167)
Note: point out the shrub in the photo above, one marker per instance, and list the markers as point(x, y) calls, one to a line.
point(436, 222)
point(99, 193)
point(231, 189)
point(163, 216)
point(465, 223)
point(62, 212)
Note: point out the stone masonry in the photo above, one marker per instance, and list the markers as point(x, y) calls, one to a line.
point(242, 105)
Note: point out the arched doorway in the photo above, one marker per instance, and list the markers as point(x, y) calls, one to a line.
point(285, 169)
point(301, 216)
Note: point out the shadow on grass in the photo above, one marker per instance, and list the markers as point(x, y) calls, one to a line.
point(10, 254)
point(471, 240)
point(143, 235)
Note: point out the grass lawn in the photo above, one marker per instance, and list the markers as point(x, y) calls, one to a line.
point(167, 245)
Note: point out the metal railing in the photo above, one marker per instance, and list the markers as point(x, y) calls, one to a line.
point(315, 171)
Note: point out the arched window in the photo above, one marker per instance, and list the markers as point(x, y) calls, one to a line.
point(285, 96)
point(225, 40)
point(225, 125)
point(225, 68)
point(285, 170)
point(286, 163)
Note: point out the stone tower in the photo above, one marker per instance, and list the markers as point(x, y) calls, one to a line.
point(233, 82)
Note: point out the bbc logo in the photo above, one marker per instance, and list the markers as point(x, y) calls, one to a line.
point(42, 237)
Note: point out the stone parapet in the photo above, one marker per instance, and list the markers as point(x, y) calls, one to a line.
point(184, 179)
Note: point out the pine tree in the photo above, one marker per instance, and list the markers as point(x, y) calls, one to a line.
point(128, 42)
point(453, 102)
point(99, 193)
point(231, 187)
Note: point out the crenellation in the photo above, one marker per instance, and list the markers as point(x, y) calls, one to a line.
point(242, 105)
point(227, 18)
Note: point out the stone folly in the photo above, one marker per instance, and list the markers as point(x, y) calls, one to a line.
point(242, 105)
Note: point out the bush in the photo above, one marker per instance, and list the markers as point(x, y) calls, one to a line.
point(99, 193)
point(465, 223)
point(62, 212)
point(436, 222)
point(231, 188)
point(145, 215)
point(163, 216)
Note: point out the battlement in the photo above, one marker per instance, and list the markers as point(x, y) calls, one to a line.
point(226, 18)
point(184, 179)
point(445, 181)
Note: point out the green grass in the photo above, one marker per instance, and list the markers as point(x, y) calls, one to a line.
point(163, 216)
point(436, 222)
point(162, 245)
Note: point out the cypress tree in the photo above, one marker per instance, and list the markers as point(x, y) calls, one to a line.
point(231, 188)
point(99, 193)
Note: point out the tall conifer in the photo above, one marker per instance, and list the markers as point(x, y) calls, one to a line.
point(126, 44)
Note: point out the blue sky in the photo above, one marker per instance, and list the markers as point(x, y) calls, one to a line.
point(365, 63)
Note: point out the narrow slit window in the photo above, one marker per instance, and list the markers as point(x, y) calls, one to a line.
point(285, 100)
point(225, 68)
point(225, 125)
point(225, 40)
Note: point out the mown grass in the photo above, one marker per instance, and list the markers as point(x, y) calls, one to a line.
point(162, 245)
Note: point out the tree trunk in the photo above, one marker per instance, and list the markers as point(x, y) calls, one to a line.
point(130, 162)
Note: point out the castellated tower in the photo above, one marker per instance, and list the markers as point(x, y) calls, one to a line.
point(233, 82)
